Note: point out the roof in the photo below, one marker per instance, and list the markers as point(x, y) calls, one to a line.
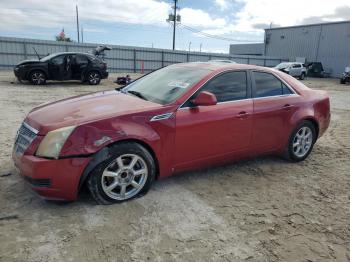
point(316, 24)
point(220, 66)
point(71, 53)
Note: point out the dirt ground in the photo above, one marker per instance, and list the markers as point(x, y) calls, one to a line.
point(264, 209)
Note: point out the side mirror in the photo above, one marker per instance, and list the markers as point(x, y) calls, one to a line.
point(204, 99)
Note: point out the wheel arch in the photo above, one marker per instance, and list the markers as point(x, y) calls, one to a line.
point(37, 69)
point(315, 123)
point(103, 154)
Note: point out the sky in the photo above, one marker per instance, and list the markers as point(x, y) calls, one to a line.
point(143, 22)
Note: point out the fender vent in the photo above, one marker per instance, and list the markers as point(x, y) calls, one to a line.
point(161, 117)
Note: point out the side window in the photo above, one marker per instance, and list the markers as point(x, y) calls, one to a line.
point(286, 90)
point(81, 60)
point(296, 66)
point(267, 84)
point(228, 86)
point(58, 60)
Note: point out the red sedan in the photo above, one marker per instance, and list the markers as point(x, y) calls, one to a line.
point(178, 118)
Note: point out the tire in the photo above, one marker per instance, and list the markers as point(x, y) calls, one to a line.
point(305, 142)
point(37, 77)
point(302, 76)
point(113, 181)
point(93, 78)
point(342, 81)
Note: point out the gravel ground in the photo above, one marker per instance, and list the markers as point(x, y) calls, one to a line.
point(264, 209)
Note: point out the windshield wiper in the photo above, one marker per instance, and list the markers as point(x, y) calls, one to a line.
point(138, 94)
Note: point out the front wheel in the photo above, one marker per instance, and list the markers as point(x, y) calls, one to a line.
point(94, 78)
point(301, 142)
point(129, 172)
point(37, 77)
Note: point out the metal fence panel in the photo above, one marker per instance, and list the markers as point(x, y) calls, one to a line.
point(119, 59)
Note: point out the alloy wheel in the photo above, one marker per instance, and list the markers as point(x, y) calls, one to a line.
point(302, 141)
point(38, 78)
point(94, 78)
point(124, 177)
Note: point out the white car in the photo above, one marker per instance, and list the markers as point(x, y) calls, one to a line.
point(222, 61)
point(295, 69)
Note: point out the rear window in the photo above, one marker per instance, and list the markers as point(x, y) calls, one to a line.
point(267, 84)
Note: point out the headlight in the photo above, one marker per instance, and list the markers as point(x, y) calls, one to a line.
point(53, 142)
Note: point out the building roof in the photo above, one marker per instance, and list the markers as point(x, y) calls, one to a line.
point(316, 24)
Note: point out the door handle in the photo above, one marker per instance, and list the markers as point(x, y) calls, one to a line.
point(287, 107)
point(242, 115)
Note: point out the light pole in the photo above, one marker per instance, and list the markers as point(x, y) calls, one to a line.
point(189, 47)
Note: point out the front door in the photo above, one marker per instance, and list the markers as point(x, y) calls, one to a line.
point(60, 67)
point(207, 132)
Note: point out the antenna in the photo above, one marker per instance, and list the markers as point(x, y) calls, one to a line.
point(36, 53)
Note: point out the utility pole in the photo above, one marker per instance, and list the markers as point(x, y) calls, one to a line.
point(82, 34)
point(174, 18)
point(200, 48)
point(174, 29)
point(76, 9)
point(189, 47)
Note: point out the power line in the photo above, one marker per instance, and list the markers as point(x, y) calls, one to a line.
point(217, 37)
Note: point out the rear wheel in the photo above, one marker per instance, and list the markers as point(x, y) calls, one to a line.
point(129, 172)
point(342, 81)
point(94, 78)
point(302, 76)
point(37, 77)
point(301, 141)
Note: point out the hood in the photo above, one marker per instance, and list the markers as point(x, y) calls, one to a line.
point(83, 109)
point(27, 62)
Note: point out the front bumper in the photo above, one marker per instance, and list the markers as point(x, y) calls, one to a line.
point(52, 179)
point(104, 74)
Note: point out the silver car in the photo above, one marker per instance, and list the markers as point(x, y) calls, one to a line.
point(295, 69)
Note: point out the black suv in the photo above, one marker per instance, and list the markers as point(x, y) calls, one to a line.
point(63, 66)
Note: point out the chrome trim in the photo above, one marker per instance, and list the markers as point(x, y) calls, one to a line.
point(226, 102)
point(246, 70)
point(161, 117)
point(258, 98)
point(31, 128)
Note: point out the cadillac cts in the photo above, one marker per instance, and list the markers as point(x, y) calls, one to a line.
point(178, 118)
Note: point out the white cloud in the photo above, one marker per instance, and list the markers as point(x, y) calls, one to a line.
point(285, 13)
point(47, 14)
point(199, 18)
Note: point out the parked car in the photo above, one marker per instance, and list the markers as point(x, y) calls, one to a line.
point(63, 66)
point(181, 117)
point(315, 69)
point(346, 75)
point(295, 69)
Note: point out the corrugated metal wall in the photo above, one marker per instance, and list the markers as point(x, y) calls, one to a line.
point(247, 49)
point(120, 58)
point(325, 43)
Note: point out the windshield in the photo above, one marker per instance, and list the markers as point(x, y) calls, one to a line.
point(167, 84)
point(47, 58)
point(283, 65)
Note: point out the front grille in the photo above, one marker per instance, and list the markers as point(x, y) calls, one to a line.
point(25, 136)
point(38, 182)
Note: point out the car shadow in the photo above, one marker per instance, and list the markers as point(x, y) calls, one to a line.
point(249, 167)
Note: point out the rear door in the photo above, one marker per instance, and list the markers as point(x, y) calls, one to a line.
point(79, 66)
point(274, 103)
point(207, 132)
